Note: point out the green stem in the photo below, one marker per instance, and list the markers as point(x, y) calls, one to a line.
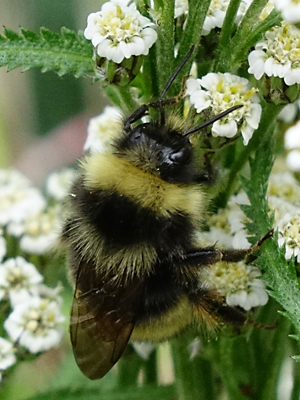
point(192, 32)
point(129, 366)
point(121, 97)
point(225, 35)
point(268, 390)
point(151, 369)
point(189, 379)
point(245, 30)
point(165, 44)
point(269, 115)
point(228, 368)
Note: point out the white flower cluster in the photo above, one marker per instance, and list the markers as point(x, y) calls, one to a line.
point(278, 54)
point(217, 12)
point(7, 355)
point(219, 92)
point(181, 8)
point(35, 318)
point(24, 210)
point(284, 201)
point(237, 282)
point(292, 145)
point(290, 9)
point(119, 31)
point(102, 129)
point(30, 222)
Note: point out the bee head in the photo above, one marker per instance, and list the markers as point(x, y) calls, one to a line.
point(160, 150)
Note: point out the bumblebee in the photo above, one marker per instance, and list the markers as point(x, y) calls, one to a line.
point(133, 217)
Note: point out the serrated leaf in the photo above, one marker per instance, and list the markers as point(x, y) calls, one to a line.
point(67, 52)
point(279, 275)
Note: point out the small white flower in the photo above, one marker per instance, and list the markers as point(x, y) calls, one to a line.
point(39, 232)
point(194, 348)
point(281, 207)
point(293, 160)
point(227, 226)
point(290, 9)
point(19, 280)
point(119, 31)
point(34, 324)
point(7, 354)
point(103, 129)
point(220, 92)
point(289, 235)
point(58, 184)
point(289, 112)
point(143, 349)
point(269, 7)
point(181, 8)
point(215, 16)
point(237, 283)
point(285, 186)
point(292, 137)
point(18, 199)
point(292, 144)
point(217, 11)
point(278, 54)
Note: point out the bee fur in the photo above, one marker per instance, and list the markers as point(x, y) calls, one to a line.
point(133, 218)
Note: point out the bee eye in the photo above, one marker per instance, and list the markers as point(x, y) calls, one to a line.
point(136, 135)
point(180, 156)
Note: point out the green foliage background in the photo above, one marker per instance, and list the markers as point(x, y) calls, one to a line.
point(239, 365)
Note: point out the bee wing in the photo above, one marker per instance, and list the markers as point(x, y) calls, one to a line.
point(102, 319)
point(98, 336)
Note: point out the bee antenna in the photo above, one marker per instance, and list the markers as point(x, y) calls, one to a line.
point(159, 103)
point(176, 72)
point(169, 83)
point(212, 120)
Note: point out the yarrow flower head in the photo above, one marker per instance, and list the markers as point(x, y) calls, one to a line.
point(221, 91)
point(7, 355)
point(119, 31)
point(18, 199)
point(290, 9)
point(278, 54)
point(237, 283)
point(181, 8)
point(285, 186)
point(289, 235)
point(227, 226)
point(292, 145)
point(102, 129)
point(39, 233)
point(217, 11)
point(35, 324)
point(215, 15)
point(19, 280)
point(58, 183)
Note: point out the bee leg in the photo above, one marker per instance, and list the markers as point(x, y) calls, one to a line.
point(211, 255)
point(239, 255)
point(207, 303)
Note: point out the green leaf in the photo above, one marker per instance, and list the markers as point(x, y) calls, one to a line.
point(279, 275)
point(64, 53)
point(145, 393)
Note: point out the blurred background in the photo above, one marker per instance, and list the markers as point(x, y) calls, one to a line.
point(43, 117)
point(43, 121)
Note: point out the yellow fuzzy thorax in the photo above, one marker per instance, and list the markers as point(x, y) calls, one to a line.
point(112, 173)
